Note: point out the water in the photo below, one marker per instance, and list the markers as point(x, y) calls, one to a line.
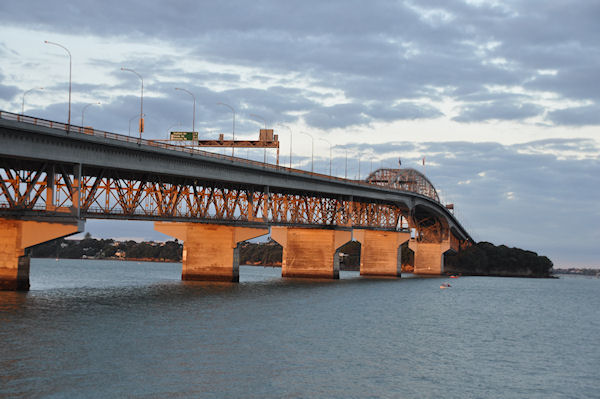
point(100, 329)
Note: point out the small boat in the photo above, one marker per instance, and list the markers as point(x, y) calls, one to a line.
point(445, 285)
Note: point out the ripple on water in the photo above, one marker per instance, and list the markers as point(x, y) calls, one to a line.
point(111, 329)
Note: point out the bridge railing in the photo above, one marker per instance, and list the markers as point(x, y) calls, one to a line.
point(128, 139)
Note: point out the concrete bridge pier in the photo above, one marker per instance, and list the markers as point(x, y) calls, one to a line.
point(380, 253)
point(210, 251)
point(15, 237)
point(309, 252)
point(429, 257)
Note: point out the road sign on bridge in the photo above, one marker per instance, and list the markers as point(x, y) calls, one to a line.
point(184, 136)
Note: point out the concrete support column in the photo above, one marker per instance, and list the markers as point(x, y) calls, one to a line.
point(210, 251)
point(380, 253)
point(429, 257)
point(15, 236)
point(310, 253)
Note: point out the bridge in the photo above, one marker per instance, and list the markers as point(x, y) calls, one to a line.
point(54, 176)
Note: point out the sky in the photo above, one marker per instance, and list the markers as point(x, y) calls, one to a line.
point(501, 98)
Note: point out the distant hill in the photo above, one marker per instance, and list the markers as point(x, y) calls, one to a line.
point(486, 259)
point(91, 248)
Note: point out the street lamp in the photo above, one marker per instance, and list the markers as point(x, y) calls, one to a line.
point(84, 108)
point(194, 114)
point(312, 153)
point(233, 128)
point(70, 69)
point(288, 128)
point(327, 141)
point(23, 103)
point(141, 100)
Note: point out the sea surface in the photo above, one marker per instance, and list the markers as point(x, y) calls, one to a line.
point(110, 329)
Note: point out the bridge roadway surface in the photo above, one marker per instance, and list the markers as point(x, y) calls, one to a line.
point(29, 141)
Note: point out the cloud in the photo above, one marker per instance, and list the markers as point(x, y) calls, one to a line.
point(349, 114)
point(7, 92)
point(388, 52)
point(497, 110)
point(576, 116)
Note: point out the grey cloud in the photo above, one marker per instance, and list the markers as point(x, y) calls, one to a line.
point(579, 116)
point(341, 115)
point(497, 110)
point(367, 52)
point(344, 115)
point(7, 92)
point(577, 82)
point(376, 52)
point(581, 146)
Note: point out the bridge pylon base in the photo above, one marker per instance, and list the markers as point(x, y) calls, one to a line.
point(380, 253)
point(309, 252)
point(15, 236)
point(429, 257)
point(210, 251)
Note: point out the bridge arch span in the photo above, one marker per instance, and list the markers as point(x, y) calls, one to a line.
point(406, 179)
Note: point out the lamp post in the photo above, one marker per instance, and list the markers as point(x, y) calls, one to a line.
point(312, 153)
point(233, 128)
point(70, 69)
point(327, 141)
point(84, 108)
point(141, 100)
point(346, 169)
point(130, 119)
point(288, 128)
point(23, 103)
point(194, 113)
point(265, 122)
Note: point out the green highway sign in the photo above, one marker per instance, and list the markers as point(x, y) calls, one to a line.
point(184, 136)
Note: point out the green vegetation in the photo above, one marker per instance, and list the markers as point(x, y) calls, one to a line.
point(482, 259)
point(267, 254)
point(92, 248)
point(486, 259)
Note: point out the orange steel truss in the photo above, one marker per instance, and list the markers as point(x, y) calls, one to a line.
point(55, 189)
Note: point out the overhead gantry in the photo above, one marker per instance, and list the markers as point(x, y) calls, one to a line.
point(61, 176)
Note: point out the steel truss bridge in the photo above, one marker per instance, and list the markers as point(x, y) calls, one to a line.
point(49, 170)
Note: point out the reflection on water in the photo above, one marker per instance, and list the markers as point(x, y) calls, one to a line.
point(11, 301)
point(127, 329)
